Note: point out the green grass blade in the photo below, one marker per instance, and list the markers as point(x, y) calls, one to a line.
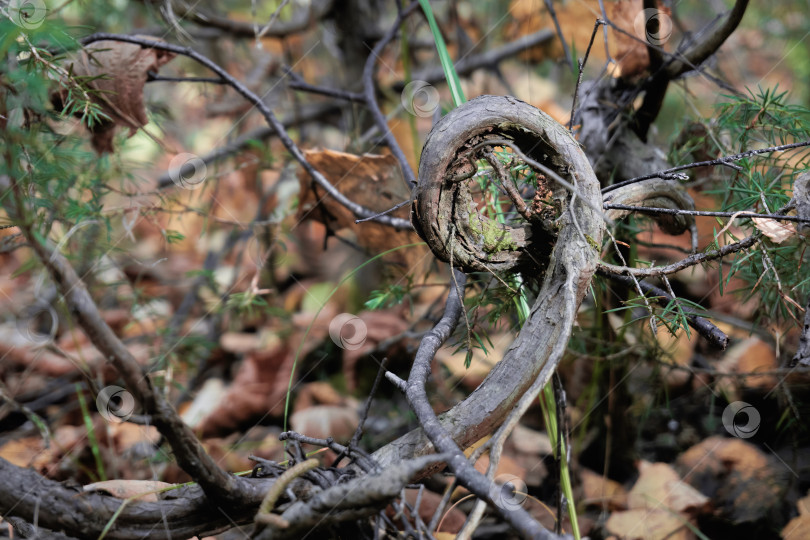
point(91, 434)
point(444, 57)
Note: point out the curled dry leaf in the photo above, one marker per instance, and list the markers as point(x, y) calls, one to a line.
point(776, 231)
point(117, 73)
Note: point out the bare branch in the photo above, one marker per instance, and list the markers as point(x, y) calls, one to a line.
point(302, 21)
point(271, 119)
point(703, 213)
point(703, 49)
point(702, 326)
point(85, 514)
point(370, 90)
point(692, 260)
point(668, 174)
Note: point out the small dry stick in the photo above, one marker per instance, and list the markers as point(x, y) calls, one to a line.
point(264, 515)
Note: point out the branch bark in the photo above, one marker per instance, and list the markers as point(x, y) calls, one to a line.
point(187, 514)
point(533, 356)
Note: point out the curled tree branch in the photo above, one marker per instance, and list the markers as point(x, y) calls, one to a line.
point(443, 207)
point(445, 214)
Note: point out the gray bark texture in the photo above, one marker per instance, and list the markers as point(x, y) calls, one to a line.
point(539, 346)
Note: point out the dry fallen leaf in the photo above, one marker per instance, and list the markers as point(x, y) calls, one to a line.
point(528, 441)
point(379, 326)
point(322, 421)
point(124, 489)
point(744, 484)
point(259, 388)
point(481, 363)
point(119, 71)
point(372, 181)
point(748, 356)
point(659, 486)
point(776, 231)
point(627, 47)
point(598, 490)
point(799, 527)
point(648, 525)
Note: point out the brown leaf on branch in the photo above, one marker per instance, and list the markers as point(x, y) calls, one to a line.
point(776, 231)
point(369, 180)
point(118, 72)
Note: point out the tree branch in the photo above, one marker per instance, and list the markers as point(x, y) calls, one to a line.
point(370, 90)
point(271, 119)
point(668, 174)
point(316, 10)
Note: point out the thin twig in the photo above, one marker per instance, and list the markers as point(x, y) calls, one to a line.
point(266, 113)
point(364, 415)
point(597, 24)
point(702, 326)
point(369, 90)
point(566, 51)
point(668, 173)
point(297, 83)
point(384, 212)
point(701, 213)
point(692, 260)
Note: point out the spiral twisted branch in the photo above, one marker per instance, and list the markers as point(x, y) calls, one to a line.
point(439, 214)
point(445, 213)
